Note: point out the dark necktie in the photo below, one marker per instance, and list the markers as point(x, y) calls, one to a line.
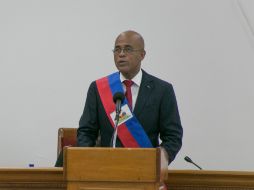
point(128, 95)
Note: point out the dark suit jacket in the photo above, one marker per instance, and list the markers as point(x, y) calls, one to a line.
point(156, 109)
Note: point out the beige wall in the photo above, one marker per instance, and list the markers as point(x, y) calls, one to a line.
point(52, 49)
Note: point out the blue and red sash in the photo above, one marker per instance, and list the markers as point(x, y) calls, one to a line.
point(131, 133)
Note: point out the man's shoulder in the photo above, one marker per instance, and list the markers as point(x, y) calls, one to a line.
point(104, 80)
point(155, 79)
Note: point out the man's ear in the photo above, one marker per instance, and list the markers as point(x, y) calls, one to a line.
point(143, 54)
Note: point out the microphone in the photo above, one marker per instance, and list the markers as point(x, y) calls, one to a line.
point(118, 99)
point(188, 159)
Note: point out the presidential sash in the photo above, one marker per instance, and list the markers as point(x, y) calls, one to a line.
point(130, 131)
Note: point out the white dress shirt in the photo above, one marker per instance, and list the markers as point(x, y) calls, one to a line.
point(134, 88)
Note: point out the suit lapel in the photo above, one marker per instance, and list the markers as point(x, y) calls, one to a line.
point(144, 93)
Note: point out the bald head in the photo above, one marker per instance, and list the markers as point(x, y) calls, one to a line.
point(139, 41)
point(128, 53)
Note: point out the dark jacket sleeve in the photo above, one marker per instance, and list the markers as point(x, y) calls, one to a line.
point(88, 125)
point(171, 131)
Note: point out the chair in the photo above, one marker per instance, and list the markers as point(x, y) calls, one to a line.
point(66, 137)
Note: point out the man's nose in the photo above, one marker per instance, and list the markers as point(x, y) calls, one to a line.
point(122, 53)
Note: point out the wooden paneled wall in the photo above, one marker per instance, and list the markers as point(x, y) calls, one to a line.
point(210, 180)
point(52, 179)
point(32, 179)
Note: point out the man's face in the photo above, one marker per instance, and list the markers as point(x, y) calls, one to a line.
point(129, 52)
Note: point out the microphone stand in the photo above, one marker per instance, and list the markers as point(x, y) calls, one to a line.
point(118, 99)
point(115, 130)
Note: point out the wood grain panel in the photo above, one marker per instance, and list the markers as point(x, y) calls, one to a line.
point(52, 179)
point(210, 180)
point(32, 179)
point(107, 164)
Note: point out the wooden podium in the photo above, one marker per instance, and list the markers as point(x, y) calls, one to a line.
point(114, 169)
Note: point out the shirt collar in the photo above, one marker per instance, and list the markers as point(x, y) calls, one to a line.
point(136, 79)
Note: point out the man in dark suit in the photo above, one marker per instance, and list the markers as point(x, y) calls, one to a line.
point(152, 102)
